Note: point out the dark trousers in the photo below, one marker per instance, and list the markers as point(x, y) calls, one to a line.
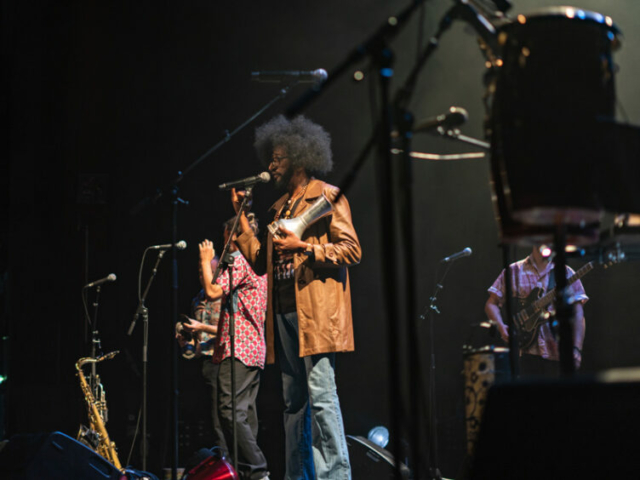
point(210, 374)
point(252, 463)
point(536, 366)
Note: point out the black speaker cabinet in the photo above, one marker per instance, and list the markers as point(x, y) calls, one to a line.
point(52, 456)
point(559, 430)
point(371, 462)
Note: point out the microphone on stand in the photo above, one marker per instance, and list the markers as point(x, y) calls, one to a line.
point(181, 245)
point(264, 177)
point(455, 117)
point(302, 76)
point(452, 258)
point(110, 278)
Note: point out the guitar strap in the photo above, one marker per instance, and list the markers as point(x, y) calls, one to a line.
point(551, 283)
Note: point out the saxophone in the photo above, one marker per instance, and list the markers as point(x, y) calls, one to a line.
point(96, 436)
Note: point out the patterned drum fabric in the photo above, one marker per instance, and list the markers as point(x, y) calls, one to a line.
point(482, 368)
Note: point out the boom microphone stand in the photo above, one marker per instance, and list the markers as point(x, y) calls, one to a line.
point(143, 311)
point(173, 193)
point(96, 348)
point(226, 258)
point(376, 47)
point(428, 314)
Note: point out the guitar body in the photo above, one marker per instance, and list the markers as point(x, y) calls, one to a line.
point(532, 314)
point(528, 320)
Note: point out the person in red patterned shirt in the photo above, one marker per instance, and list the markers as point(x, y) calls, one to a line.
point(249, 296)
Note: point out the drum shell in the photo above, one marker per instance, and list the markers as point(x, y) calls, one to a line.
point(482, 369)
point(555, 86)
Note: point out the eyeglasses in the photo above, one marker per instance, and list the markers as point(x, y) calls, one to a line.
point(275, 159)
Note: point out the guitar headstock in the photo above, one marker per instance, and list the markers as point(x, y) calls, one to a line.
point(613, 256)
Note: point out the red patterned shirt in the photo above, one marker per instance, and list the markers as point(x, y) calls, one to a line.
point(250, 305)
point(524, 278)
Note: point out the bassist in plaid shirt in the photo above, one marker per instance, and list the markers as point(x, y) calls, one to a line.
point(534, 272)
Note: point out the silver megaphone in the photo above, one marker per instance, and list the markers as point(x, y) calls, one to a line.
point(298, 225)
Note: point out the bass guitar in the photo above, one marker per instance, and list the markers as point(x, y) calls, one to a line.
point(529, 319)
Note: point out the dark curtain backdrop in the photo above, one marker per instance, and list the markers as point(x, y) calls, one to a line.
point(105, 102)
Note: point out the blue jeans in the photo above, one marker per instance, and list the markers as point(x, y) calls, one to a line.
point(316, 446)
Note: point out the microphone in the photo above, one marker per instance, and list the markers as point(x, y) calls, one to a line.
point(455, 117)
point(464, 253)
point(181, 245)
point(302, 76)
point(110, 278)
point(264, 177)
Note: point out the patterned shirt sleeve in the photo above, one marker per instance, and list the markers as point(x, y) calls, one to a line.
point(498, 286)
point(206, 311)
point(576, 289)
point(240, 276)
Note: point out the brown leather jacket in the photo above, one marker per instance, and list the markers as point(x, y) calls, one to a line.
point(323, 294)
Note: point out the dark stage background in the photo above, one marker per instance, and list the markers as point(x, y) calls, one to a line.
point(104, 102)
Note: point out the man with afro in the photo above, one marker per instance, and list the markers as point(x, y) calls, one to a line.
point(309, 299)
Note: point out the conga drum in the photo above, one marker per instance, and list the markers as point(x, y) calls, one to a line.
point(483, 367)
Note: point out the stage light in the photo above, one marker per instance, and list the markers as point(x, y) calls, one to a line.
point(379, 435)
point(545, 251)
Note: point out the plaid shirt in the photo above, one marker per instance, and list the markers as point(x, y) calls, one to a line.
point(250, 305)
point(206, 311)
point(524, 278)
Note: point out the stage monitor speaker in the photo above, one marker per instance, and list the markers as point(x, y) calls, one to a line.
point(369, 461)
point(559, 430)
point(52, 456)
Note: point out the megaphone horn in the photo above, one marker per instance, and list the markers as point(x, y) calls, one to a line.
point(298, 225)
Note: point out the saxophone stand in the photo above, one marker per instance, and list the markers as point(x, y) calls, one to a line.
point(143, 312)
point(96, 348)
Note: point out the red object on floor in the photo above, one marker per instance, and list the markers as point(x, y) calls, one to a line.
point(213, 468)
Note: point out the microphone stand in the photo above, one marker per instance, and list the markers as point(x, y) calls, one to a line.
point(226, 258)
point(404, 121)
point(382, 57)
point(96, 348)
point(513, 342)
point(454, 134)
point(427, 314)
point(376, 46)
point(142, 311)
point(564, 310)
point(175, 202)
